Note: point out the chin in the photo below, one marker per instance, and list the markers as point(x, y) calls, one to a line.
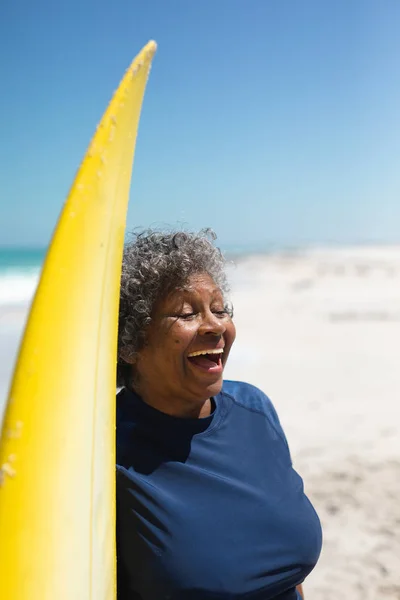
point(214, 388)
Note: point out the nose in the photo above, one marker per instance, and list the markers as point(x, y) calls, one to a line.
point(211, 324)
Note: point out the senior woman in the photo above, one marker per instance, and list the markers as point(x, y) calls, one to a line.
point(208, 504)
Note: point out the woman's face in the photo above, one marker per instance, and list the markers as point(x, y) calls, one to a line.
point(188, 344)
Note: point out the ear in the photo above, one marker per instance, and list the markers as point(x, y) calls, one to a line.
point(128, 356)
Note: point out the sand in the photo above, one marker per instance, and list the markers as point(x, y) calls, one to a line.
point(319, 332)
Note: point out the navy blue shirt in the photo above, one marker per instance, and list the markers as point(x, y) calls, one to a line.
point(210, 509)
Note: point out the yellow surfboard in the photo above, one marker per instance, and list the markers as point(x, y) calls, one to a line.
point(57, 458)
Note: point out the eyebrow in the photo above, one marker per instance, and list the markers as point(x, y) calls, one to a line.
point(192, 290)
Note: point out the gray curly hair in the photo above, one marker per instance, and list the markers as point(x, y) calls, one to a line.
point(154, 264)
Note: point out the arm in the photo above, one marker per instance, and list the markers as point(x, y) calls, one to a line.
point(299, 588)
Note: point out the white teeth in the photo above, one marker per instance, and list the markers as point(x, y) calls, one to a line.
point(216, 351)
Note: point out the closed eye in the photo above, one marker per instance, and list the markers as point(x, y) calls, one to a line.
point(190, 315)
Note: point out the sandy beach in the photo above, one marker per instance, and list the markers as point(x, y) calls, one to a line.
point(319, 332)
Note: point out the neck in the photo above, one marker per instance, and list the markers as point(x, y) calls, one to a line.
point(181, 410)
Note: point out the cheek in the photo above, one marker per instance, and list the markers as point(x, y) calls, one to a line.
point(181, 336)
point(231, 332)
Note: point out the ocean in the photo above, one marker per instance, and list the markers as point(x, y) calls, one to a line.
point(19, 274)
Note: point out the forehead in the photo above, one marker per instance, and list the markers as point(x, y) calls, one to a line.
point(200, 285)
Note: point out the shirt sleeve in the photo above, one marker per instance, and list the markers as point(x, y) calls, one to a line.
point(274, 419)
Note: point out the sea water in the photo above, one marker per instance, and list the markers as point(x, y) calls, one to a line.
point(19, 276)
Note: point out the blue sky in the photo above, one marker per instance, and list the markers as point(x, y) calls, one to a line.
point(272, 121)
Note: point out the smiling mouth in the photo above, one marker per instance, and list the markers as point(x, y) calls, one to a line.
point(207, 360)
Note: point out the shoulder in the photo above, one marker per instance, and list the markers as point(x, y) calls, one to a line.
point(249, 396)
point(255, 400)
